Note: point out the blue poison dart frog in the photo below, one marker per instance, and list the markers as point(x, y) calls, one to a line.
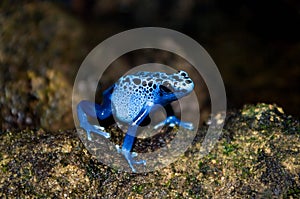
point(130, 100)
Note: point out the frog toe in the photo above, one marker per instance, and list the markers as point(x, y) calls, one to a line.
point(95, 129)
point(134, 154)
point(99, 127)
point(102, 133)
point(143, 162)
point(187, 125)
point(129, 157)
point(172, 121)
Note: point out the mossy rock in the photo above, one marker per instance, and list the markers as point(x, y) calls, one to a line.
point(249, 161)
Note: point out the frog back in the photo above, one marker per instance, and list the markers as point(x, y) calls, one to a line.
point(130, 94)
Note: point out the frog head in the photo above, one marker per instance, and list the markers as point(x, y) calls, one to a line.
point(158, 87)
point(175, 86)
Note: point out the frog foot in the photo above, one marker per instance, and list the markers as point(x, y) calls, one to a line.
point(172, 121)
point(95, 129)
point(129, 157)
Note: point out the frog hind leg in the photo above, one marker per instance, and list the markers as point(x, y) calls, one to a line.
point(172, 120)
point(87, 109)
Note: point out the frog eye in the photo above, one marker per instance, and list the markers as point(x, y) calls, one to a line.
point(164, 89)
point(182, 73)
point(167, 84)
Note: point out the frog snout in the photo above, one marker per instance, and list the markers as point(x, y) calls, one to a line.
point(186, 84)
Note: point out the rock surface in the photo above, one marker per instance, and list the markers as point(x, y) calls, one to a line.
point(257, 157)
point(38, 55)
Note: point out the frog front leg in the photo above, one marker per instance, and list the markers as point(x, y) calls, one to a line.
point(172, 120)
point(131, 136)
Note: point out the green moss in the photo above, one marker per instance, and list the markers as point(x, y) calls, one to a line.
point(293, 192)
point(138, 188)
point(203, 167)
point(167, 184)
point(246, 172)
point(228, 148)
point(4, 167)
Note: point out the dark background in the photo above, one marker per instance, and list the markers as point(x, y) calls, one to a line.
point(255, 44)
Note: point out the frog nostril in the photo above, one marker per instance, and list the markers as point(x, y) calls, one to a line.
point(188, 81)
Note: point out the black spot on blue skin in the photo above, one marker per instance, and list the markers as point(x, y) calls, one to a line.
point(177, 78)
point(184, 84)
point(149, 78)
point(154, 86)
point(136, 81)
point(150, 84)
point(184, 90)
point(125, 87)
point(151, 89)
point(140, 73)
point(183, 73)
point(127, 80)
point(144, 83)
point(188, 81)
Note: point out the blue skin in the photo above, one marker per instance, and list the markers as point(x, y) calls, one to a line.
point(131, 99)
